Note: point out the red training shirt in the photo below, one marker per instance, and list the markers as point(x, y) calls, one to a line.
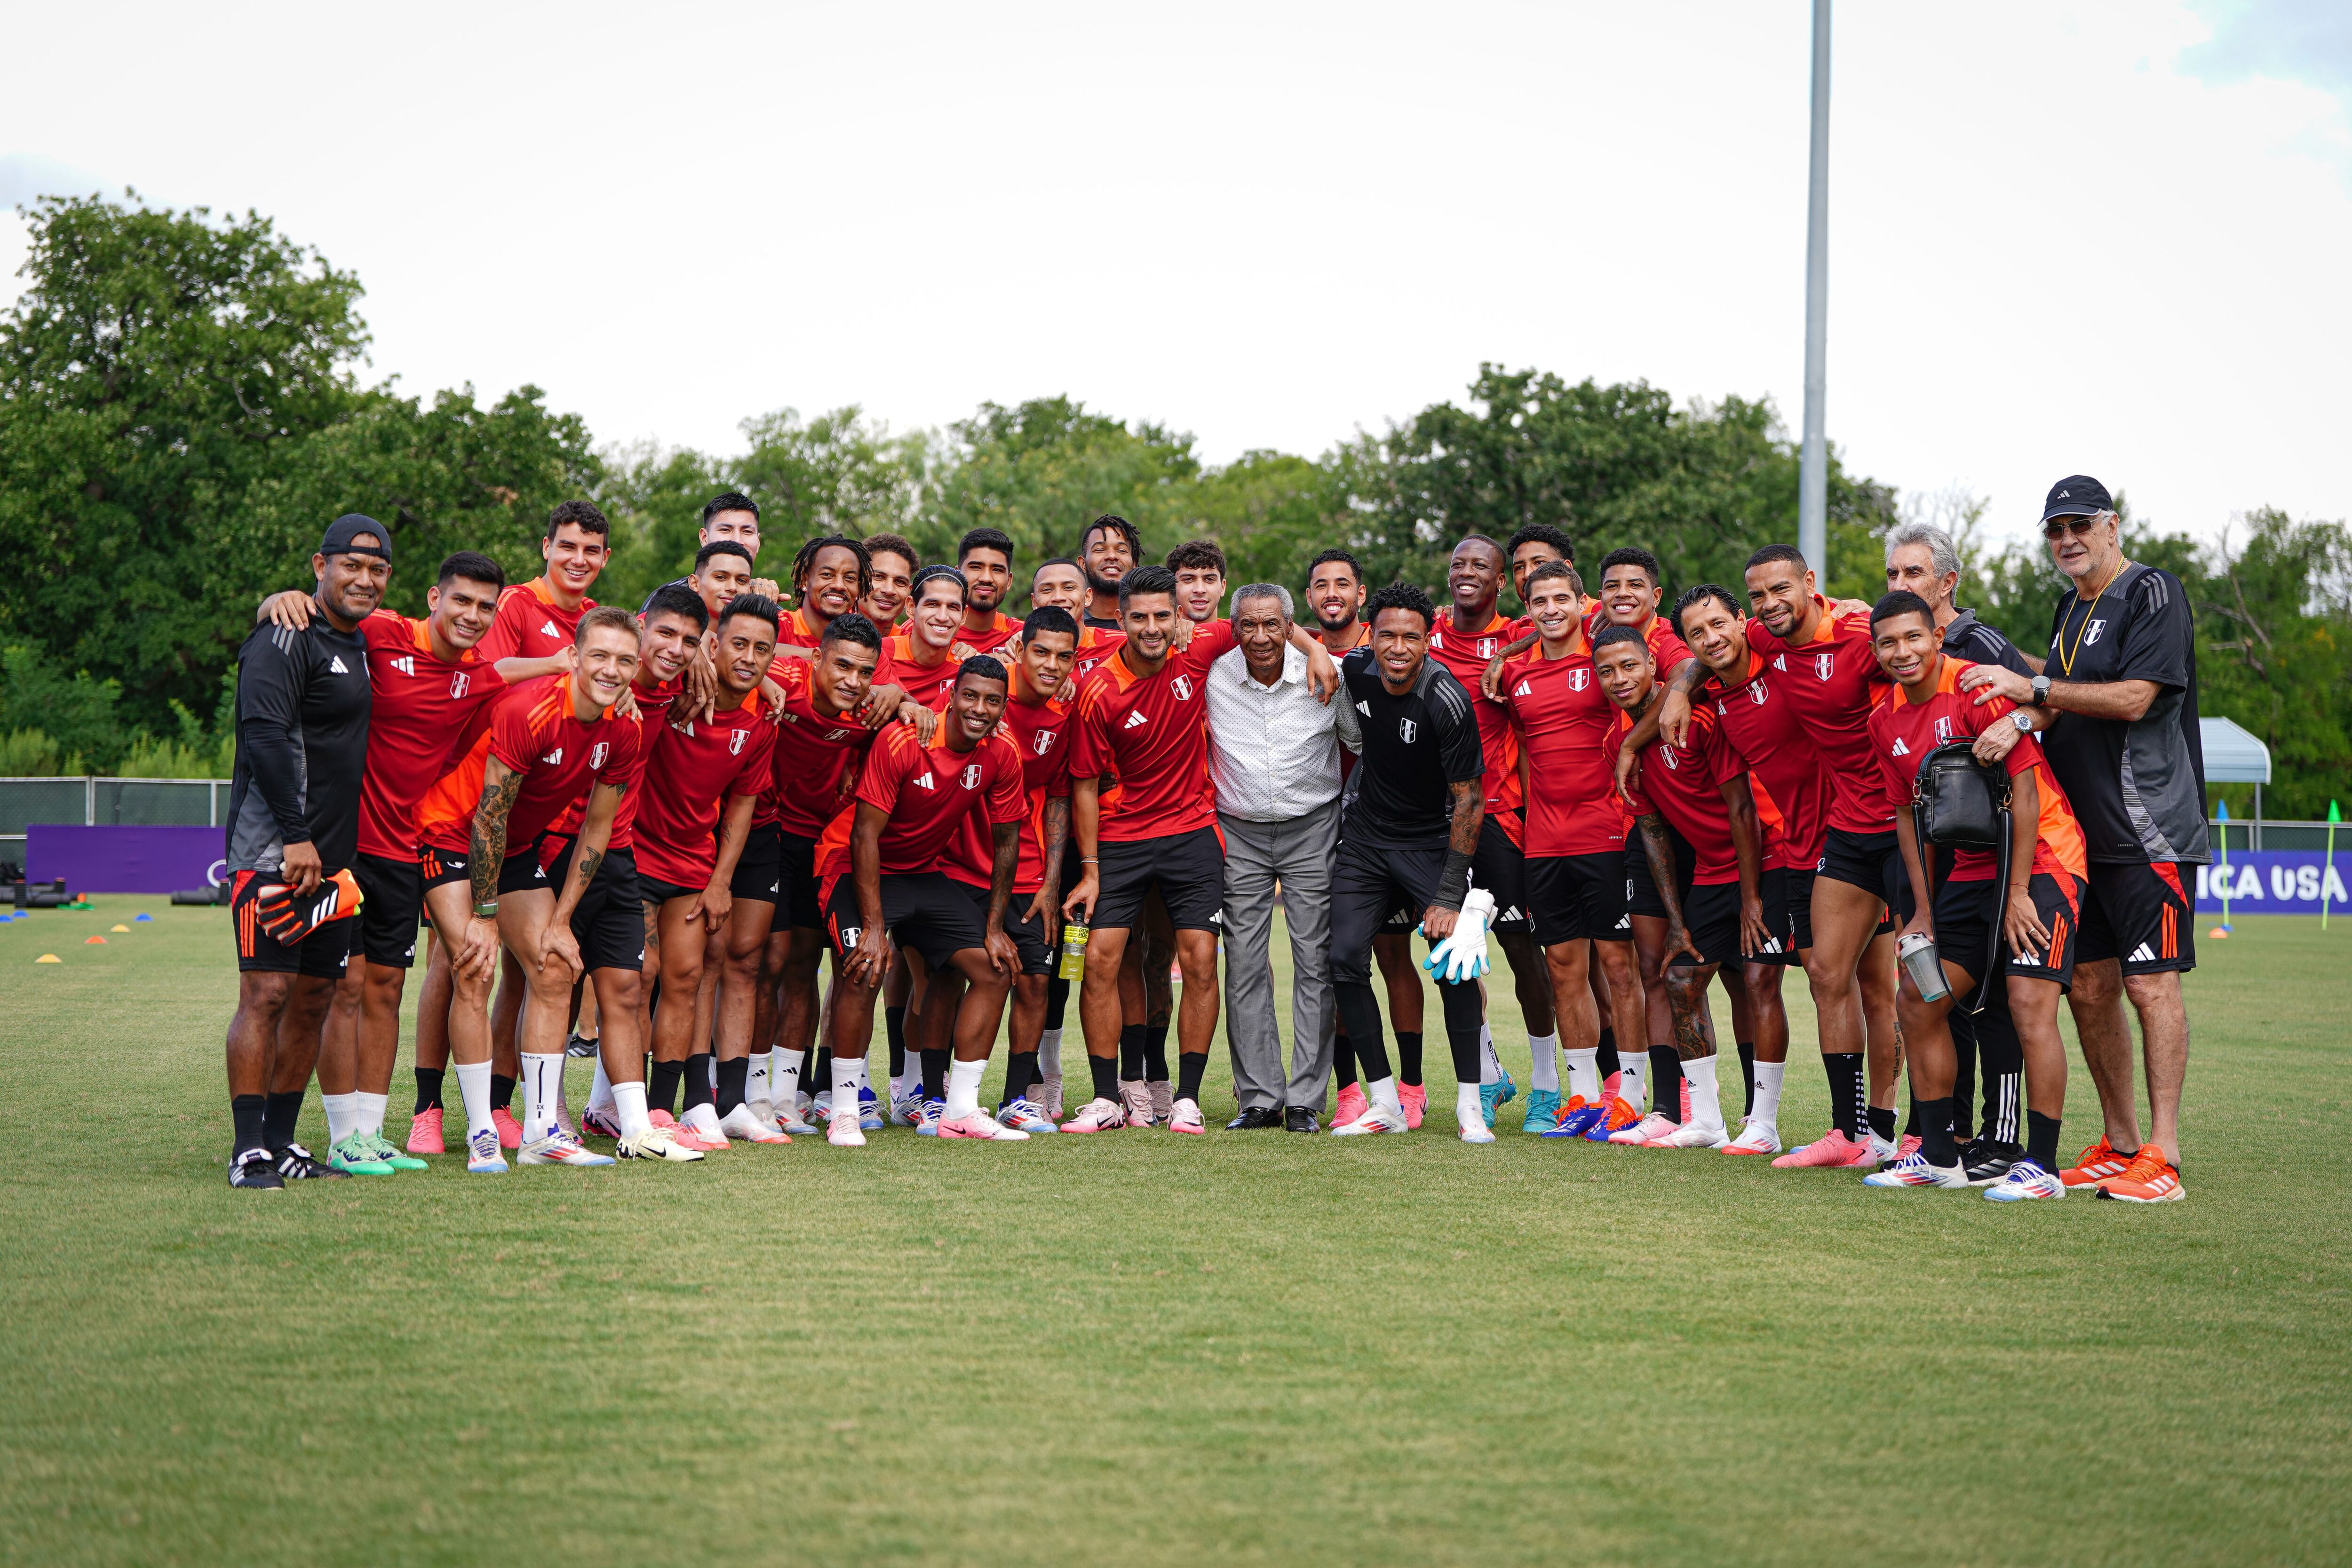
point(530, 623)
point(427, 713)
point(1150, 732)
point(1566, 724)
point(928, 791)
point(692, 770)
point(1039, 733)
point(1834, 681)
point(1904, 732)
point(1762, 726)
point(1466, 655)
point(535, 733)
point(1683, 784)
point(812, 751)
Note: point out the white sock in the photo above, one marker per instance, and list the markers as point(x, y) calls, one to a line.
point(1049, 1051)
point(784, 1079)
point(848, 1073)
point(964, 1087)
point(1584, 1074)
point(1629, 1077)
point(343, 1116)
point(898, 1087)
point(1384, 1093)
point(1707, 1109)
point(1490, 1067)
point(1469, 1110)
point(863, 1081)
point(474, 1088)
point(601, 1090)
point(1768, 1093)
point(372, 1111)
point(1543, 1059)
point(629, 1109)
point(542, 1081)
point(755, 1082)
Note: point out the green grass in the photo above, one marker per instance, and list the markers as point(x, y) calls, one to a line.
point(1138, 1347)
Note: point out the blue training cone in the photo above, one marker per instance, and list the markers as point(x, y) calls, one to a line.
point(136, 919)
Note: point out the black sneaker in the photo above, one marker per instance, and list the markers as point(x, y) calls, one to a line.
point(255, 1170)
point(295, 1163)
point(580, 1046)
point(1988, 1162)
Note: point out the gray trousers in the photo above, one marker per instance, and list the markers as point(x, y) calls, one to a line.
point(1298, 854)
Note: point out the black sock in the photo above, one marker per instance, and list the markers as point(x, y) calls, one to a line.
point(2042, 1140)
point(1155, 1051)
point(661, 1087)
point(1747, 1075)
point(1846, 1092)
point(1106, 1072)
point(698, 1079)
point(1020, 1072)
point(279, 1112)
point(1911, 1124)
point(819, 1077)
point(733, 1078)
point(1464, 1018)
point(1362, 1014)
point(428, 1089)
point(1057, 1000)
point(1935, 1131)
point(1343, 1062)
point(1190, 1066)
point(1607, 1062)
point(501, 1092)
point(1881, 1122)
point(244, 1114)
point(935, 1074)
point(1130, 1053)
point(1408, 1056)
point(1666, 1081)
point(894, 1024)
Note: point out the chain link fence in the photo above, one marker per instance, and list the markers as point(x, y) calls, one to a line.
point(92, 802)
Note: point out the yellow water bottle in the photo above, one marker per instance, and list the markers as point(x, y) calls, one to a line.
point(1073, 952)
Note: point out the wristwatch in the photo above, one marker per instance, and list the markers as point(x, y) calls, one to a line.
point(2024, 724)
point(2040, 690)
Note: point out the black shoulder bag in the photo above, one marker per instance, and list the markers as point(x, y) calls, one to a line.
point(1959, 803)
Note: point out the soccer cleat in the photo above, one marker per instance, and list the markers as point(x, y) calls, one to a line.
point(510, 1129)
point(1987, 1162)
point(1913, 1171)
point(336, 898)
point(798, 1123)
point(2025, 1180)
point(1047, 1096)
point(558, 1147)
point(296, 1164)
point(425, 1132)
point(1412, 1099)
point(740, 1124)
point(980, 1124)
point(1579, 1117)
point(708, 1140)
point(1475, 1133)
point(843, 1133)
point(602, 1120)
point(1692, 1135)
point(1544, 1111)
point(869, 1110)
point(1097, 1115)
point(656, 1143)
point(928, 1119)
point(1832, 1150)
point(1617, 1113)
point(1184, 1116)
point(1350, 1105)
point(1163, 1099)
point(1755, 1138)
point(1023, 1116)
point(2150, 1178)
point(1136, 1095)
point(821, 1109)
point(482, 1156)
point(1492, 1097)
point(1375, 1119)
point(381, 1148)
point(254, 1171)
point(2100, 1162)
point(1643, 1133)
point(353, 1158)
point(579, 1047)
point(907, 1107)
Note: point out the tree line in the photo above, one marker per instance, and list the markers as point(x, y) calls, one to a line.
point(182, 407)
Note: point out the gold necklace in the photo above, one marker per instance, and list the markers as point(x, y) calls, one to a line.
point(2066, 655)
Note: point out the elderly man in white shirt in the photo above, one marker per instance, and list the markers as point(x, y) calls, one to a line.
point(1274, 756)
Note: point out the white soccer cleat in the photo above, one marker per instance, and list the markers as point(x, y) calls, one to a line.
point(1184, 1116)
point(1914, 1171)
point(558, 1147)
point(843, 1132)
point(1476, 1133)
point(740, 1124)
point(1377, 1118)
point(1651, 1128)
point(1695, 1136)
point(1755, 1138)
point(1096, 1116)
point(979, 1125)
point(656, 1144)
point(800, 1123)
point(907, 1110)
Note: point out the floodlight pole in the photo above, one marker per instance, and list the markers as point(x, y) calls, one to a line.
point(1813, 475)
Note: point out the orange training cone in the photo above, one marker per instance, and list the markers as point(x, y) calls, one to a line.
point(93, 941)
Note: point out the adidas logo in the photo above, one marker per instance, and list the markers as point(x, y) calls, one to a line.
point(1513, 913)
point(1901, 750)
point(1624, 922)
point(406, 666)
point(1135, 720)
point(554, 759)
point(336, 667)
point(2141, 954)
point(1365, 709)
point(547, 629)
point(924, 782)
point(1524, 689)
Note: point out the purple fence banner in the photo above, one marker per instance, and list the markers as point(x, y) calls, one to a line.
point(2275, 881)
point(113, 859)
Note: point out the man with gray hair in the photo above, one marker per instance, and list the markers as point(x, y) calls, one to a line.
point(1274, 757)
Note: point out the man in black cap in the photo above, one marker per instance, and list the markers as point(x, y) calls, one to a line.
point(302, 701)
point(2121, 680)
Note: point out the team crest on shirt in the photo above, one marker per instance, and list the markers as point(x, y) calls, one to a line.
point(1407, 729)
point(1666, 755)
point(2091, 635)
point(596, 755)
point(1825, 665)
point(1487, 647)
point(1756, 693)
point(1943, 728)
point(459, 684)
point(735, 742)
point(1044, 741)
point(834, 734)
point(1578, 679)
point(1182, 687)
point(972, 775)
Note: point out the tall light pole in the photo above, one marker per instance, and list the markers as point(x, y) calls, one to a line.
point(1813, 475)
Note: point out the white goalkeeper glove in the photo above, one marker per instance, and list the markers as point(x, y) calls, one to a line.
point(1463, 956)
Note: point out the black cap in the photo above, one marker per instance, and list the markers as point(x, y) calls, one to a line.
point(2076, 494)
point(351, 525)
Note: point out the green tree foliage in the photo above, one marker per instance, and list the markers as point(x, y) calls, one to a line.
point(1043, 470)
point(2274, 634)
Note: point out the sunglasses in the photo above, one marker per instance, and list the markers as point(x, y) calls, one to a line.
point(2057, 527)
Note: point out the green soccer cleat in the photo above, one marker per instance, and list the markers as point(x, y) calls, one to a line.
point(385, 1152)
point(355, 1157)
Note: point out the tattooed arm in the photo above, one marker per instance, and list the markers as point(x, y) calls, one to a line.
point(1460, 844)
point(1661, 856)
point(1046, 904)
point(1003, 955)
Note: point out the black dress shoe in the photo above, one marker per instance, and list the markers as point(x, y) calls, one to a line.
point(1299, 1118)
point(1256, 1117)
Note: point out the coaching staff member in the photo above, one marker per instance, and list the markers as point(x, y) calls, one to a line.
point(2122, 676)
point(1274, 757)
point(302, 701)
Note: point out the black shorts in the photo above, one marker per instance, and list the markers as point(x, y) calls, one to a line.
point(1772, 891)
point(1501, 867)
point(759, 874)
point(1711, 915)
point(1870, 861)
point(1574, 897)
point(1188, 869)
point(1967, 912)
point(654, 890)
point(439, 867)
point(799, 905)
point(1034, 936)
point(1640, 888)
point(1366, 884)
point(324, 954)
point(608, 923)
point(1797, 893)
point(2141, 913)
point(392, 895)
point(927, 911)
point(524, 870)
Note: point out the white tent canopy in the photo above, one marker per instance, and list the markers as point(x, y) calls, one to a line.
point(2233, 754)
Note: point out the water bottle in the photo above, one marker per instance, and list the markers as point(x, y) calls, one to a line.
point(1073, 952)
point(1916, 953)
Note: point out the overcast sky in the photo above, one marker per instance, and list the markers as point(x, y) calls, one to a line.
point(2113, 237)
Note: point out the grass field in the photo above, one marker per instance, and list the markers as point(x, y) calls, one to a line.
point(1136, 1348)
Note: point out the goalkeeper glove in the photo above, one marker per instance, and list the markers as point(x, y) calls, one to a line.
point(290, 919)
point(1463, 956)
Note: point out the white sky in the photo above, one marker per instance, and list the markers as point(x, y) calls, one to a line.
point(2111, 237)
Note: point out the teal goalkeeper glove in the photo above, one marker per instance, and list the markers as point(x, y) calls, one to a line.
point(1463, 956)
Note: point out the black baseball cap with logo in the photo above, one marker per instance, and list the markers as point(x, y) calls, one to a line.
point(349, 527)
point(2077, 495)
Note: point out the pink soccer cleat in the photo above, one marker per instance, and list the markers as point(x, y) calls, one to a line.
point(1184, 1116)
point(1646, 1132)
point(425, 1132)
point(1350, 1106)
point(1831, 1151)
point(510, 1129)
point(979, 1125)
point(1096, 1116)
point(1413, 1099)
